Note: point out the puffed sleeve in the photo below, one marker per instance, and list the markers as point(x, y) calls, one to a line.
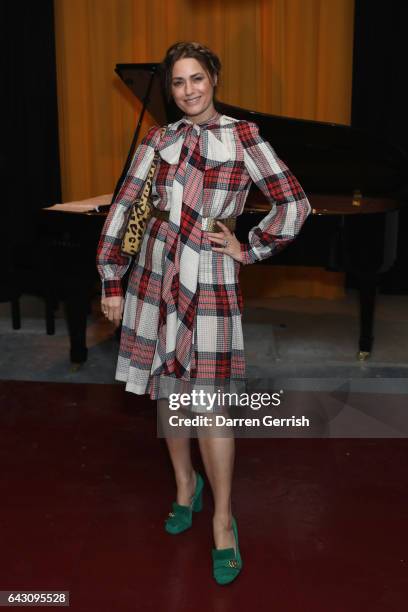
point(289, 204)
point(110, 262)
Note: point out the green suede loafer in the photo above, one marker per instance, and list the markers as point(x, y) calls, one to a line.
point(181, 518)
point(226, 563)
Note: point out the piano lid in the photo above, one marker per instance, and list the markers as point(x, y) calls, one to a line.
point(327, 158)
point(137, 77)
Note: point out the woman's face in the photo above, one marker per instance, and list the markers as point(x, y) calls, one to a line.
point(192, 88)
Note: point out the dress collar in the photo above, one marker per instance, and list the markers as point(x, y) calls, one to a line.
point(185, 121)
point(212, 149)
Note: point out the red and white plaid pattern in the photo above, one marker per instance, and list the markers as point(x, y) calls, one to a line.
point(182, 316)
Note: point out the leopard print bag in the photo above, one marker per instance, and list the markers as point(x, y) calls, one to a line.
point(140, 214)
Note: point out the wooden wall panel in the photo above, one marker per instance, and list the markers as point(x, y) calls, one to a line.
point(287, 57)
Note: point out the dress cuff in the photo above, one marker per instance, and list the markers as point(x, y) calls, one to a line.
point(248, 253)
point(112, 288)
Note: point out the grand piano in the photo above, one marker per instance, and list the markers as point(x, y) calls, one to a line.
point(355, 181)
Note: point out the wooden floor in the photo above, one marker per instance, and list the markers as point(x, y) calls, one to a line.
point(86, 486)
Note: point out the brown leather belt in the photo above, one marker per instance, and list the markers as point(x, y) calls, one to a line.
point(209, 223)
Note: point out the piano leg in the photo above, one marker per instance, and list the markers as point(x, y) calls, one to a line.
point(15, 313)
point(49, 314)
point(367, 291)
point(76, 312)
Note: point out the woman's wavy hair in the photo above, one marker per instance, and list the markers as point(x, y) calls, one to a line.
point(208, 60)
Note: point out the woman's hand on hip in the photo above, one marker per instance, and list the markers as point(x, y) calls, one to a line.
point(112, 308)
point(229, 243)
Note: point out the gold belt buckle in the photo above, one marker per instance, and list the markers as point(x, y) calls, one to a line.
point(213, 227)
point(210, 224)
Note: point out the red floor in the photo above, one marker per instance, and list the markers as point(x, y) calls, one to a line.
point(86, 486)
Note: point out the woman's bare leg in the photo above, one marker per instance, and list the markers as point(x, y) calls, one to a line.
point(180, 455)
point(218, 454)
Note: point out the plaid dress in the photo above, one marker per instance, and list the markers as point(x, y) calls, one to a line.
point(181, 327)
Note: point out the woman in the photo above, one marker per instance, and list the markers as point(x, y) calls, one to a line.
point(181, 328)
